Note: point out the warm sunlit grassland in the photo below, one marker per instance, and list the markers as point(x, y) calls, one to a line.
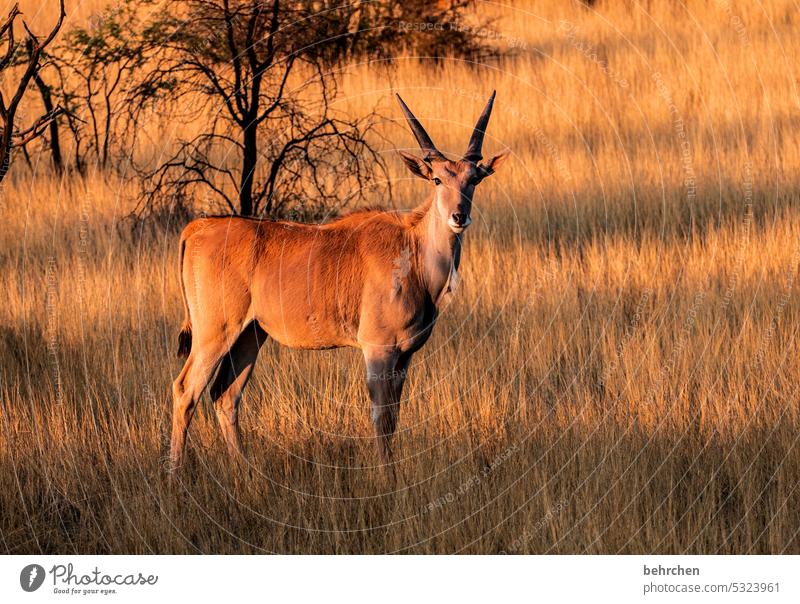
point(618, 373)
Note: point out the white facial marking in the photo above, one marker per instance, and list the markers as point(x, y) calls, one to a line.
point(449, 291)
point(458, 228)
point(455, 279)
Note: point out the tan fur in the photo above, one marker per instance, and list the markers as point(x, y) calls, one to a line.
point(373, 280)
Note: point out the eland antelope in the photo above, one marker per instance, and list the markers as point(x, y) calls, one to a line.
point(373, 280)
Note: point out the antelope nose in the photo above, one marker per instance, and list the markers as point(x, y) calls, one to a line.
point(460, 219)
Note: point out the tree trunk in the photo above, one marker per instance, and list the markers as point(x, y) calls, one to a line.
point(47, 102)
point(249, 159)
point(55, 141)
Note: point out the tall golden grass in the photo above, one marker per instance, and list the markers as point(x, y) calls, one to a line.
point(618, 374)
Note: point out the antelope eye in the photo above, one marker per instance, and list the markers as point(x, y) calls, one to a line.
point(436, 181)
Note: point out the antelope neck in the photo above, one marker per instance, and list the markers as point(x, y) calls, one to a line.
point(440, 252)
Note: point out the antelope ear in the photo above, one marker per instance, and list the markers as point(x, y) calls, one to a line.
point(490, 167)
point(418, 167)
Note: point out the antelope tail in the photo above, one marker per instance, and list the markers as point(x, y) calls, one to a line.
point(185, 336)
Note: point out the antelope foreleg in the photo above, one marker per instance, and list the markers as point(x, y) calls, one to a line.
point(385, 377)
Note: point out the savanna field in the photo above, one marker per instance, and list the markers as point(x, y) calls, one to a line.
point(618, 372)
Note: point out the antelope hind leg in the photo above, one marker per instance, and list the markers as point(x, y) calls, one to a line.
point(186, 391)
point(234, 373)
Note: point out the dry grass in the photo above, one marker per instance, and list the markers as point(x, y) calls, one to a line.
point(618, 374)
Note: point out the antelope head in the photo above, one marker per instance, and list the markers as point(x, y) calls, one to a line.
point(454, 181)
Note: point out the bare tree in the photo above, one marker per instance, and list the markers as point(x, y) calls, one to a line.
point(9, 137)
point(263, 73)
